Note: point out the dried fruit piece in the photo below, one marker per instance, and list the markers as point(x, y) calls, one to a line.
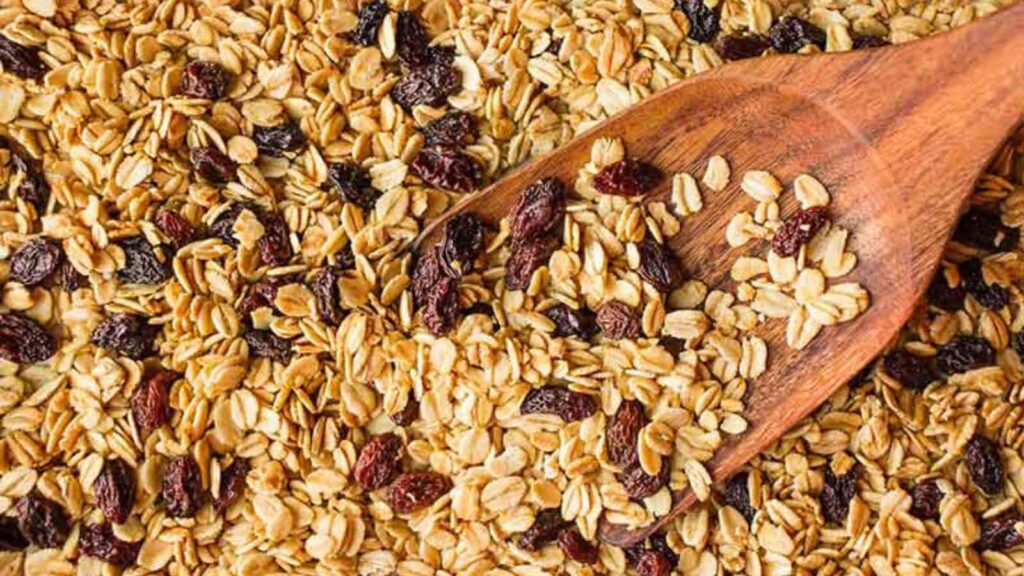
point(560, 401)
point(659, 544)
point(672, 345)
point(703, 19)
point(204, 79)
point(461, 244)
point(68, 278)
point(569, 322)
point(798, 230)
point(453, 129)
point(546, 527)
point(861, 41)
point(232, 483)
point(213, 165)
point(261, 295)
point(414, 491)
point(539, 211)
point(984, 464)
point(447, 167)
point(964, 353)
point(115, 490)
point(325, 289)
point(658, 266)
point(411, 40)
point(370, 18)
point(151, 407)
point(353, 185)
point(177, 230)
point(23, 340)
point(98, 541)
point(33, 187)
point(442, 306)
point(266, 344)
point(430, 85)
point(141, 265)
point(617, 321)
point(183, 487)
point(276, 140)
point(425, 275)
point(274, 246)
point(737, 495)
point(983, 229)
point(837, 493)
point(526, 258)
point(738, 47)
point(380, 462)
point(1001, 532)
point(408, 414)
point(926, 497)
point(34, 261)
point(42, 521)
point(640, 484)
point(790, 34)
point(22, 61)
point(653, 563)
point(576, 547)
point(629, 177)
point(623, 432)
point(11, 539)
point(909, 369)
point(944, 296)
point(126, 334)
point(991, 296)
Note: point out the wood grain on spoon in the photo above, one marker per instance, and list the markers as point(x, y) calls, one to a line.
point(897, 134)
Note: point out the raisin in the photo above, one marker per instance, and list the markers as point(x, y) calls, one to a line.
point(926, 497)
point(380, 462)
point(213, 165)
point(266, 344)
point(370, 18)
point(737, 495)
point(177, 230)
point(462, 242)
point(1000, 533)
point(790, 34)
point(441, 55)
point(33, 187)
point(837, 493)
point(442, 306)
point(703, 19)
point(660, 545)
point(672, 345)
point(984, 464)
point(569, 322)
point(622, 433)
point(325, 289)
point(425, 275)
point(909, 369)
point(23, 340)
point(526, 257)
point(430, 85)
point(575, 547)
point(151, 406)
point(964, 353)
point(658, 266)
point(414, 491)
point(276, 140)
point(639, 484)
point(985, 230)
point(69, 278)
point(274, 247)
point(11, 538)
point(617, 321)
point(408, 414)
point(452, 129)
point(411, 40)
point(798, 230)
point(944, 296)
point(261, 295)
point(633, 554)
point(991, 296)
point(34, 261)
point(42, 521)
point(223, 225)
point(629, 177)
point(653, 563)
point(560, 401)
point(115, 490)
point(448, 168)
point(545, 529)
point(98, 541)
point(861, 41)
point(22, 61)
point(126, 334)
point(232, 483)
point(182, 488)
point(353, 185)
point(738, 47)
point(539, 211)
point(141, 264)
point(203, 79)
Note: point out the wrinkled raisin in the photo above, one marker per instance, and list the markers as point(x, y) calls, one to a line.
point(560, 401)
point(983, 229)
point(411, 40)
point(274, 246)
point(23, 340)
point(151, 407)
point(266, 344)
point(653, 563)
point(658, 266)
point(441, 55)
point(370, 18)
point(944, 296)
point(639, 484)
point(617, 321)
point(408, 414)
point(11, 538)
point(325, 289)
point(380, 462)
point(539, 211)
point(622, 433)
point(837, 493)
point(790, 34)
point(629, 177)
point(1000, 533)
point(276, 140)
point(453, 129)
point(909, 369)
point(964, 353)
point(703, 19)
point(213, 165)
point(991, 296)
point(177, 230)
point(353, 185)
point(448, 168)
point(98, 541)
point(984, 464)
point(633, 554)
point(861, 41)
point(526, 257)
point(223, 225)
point(462, 242)
point(798, 230)
point(430, 85)
point(672, 345)
point(926, 497)
point(141, 264)
point(546, 527)
point(203, 79)
point(575, 547)
point(115, 490)
point(737, 495)
point(442, 306)
point(126, 334)
point(22, 61)
point(260, 295)
point(414, 491)
point(68, 278)
point(182, 488)
point(660, 544)
point(34, 261)
point(738, 47)
point(42, 521)
point(33, 187)
point(232, 483)
point(569, 322)
point(426, 274)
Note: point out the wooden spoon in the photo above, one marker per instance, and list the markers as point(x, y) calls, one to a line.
point(897, 134)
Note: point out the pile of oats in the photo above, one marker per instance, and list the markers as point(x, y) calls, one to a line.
point(214, 362)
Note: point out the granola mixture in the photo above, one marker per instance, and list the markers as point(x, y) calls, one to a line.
point(216, 358)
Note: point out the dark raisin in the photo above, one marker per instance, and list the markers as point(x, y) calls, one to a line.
point(426, 274)
point(837, 493)
point(126, 334)
point(33, 187)
point(633, 554)
point(983, 229)
point(738, 47)
point(660, 545)
point(560, 401)
point(964, 353)
point(408, 414)
point(703, 19)
point(380, 462)
point(115, 490)
point(442, 55)
point(1001, 533)
point(926, 497)
point(430, 85)
point(639, 484)
point(411, 40)
point(617, 321)
point(325, 289)
point(276, 140)
point(22, 61)
point(42, 521)
point(991, 296)
point(370, 18)
point(526, 257)
point(790, 34)
point(141, 264)
point(569, 322)
point(629, 177)
point(658, 266)
point(353, 184)
point(462, 242)
point(442, 306)
point(555, 46)
point(274, 246)
point(266, 344)
point(23, 340)
point(539, 211)
point(909, 369)
point(223, 225)
point(177, 230)
point(798, 230)
point(213, 165)
point(34, 261)
point(98, 541)
point(545, 529)
point(414, 491)
point(183, 487)
point(653, 563)
point(203, 79)
point(452, 129)
point(68, 278)
point(575, 547)
point(260, 295)
point(674, 346)
point(447, 167)
point(232, 483)
point(151, 407)
point(622, 433)
point(984, 464)
point(737, 495)
point(11, 539)
point(861, 41)
point(944, 296)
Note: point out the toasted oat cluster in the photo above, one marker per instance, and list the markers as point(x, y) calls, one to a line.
point(219, 354)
